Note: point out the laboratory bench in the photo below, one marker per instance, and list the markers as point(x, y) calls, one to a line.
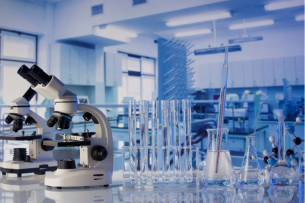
point(31, 188)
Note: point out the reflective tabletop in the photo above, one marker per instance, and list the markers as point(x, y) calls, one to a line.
point(31, 189)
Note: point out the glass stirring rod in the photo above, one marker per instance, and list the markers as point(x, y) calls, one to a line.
point(222, 102)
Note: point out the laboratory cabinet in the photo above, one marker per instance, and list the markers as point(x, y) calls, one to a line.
point(73, 65)
point(113, 69)
point(255, 73)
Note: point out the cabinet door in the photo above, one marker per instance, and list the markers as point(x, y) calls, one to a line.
point(64, 63)
point(91, 67)
point(74, 65)
point(230, 75)
point(289, 64)
point(238, 74)
point(83, 66)
point(248, 73)
point(279, 71)
point(258, 72)
point(118, 70)
point(268, 72)
point(299, 63)
point(215, 75)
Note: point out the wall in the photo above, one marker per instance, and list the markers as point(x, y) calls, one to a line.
point(74, 17)
point(276, 43)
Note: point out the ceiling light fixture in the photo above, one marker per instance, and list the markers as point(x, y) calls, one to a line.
point(198, 19)
point(117, 31)
point(193, 32)
point(299, 17)
point(284, 4)
point(251, 24)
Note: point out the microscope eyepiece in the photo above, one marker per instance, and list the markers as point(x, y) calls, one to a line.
point(18, 125)
point(23, 72)
point(39, 75)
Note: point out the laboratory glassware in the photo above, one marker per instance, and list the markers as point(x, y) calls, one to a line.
point(302, 167)
point(143, 110)
point(250, 172)
point(175, 135)
point(281, 193)
point(251, 193)
point(218, 194)
point(281, 173)
point(221, 107)
point(187, 127)
point(166, 140)
point(132, 127)
point(155, 140)
point(225, 175)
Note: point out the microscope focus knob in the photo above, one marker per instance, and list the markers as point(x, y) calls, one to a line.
point(99, 153)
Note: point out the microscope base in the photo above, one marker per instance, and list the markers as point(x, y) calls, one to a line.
point(79, 177)
point(20, 167)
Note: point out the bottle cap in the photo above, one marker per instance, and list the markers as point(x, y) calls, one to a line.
point(281, 119)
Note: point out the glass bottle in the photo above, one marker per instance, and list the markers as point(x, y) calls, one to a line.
point(155, 140)
point(143, 110)
point(281, 174)
point(222, 173)
point(250, 172)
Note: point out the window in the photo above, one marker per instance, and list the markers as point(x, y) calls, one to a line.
point(16, 49)
point(138, 78)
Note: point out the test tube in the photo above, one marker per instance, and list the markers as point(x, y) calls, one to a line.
point(143, 107)
point(132, 122)
point(166, 140)
point(186, 109)
point(155, 140)
point(175, 132)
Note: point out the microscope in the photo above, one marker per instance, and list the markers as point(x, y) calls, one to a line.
point(40, 158)
point(96, 148)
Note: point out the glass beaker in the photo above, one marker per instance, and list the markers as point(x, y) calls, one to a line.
point(281, 174)
point(221, 173)
point(250, 172)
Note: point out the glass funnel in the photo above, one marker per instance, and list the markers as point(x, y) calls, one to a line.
point(219, 173)
point(281, 174)
point(250, 172)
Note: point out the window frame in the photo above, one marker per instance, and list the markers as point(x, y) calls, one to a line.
point(131, 73)
point(21, 33)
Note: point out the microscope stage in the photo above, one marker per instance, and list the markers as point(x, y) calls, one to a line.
point(20, 137)
point(60, 143)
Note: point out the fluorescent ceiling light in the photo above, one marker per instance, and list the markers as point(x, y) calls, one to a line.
point(193, 32)
point(299, 17)
point(251, 24)
point(284, 4)
point(114, 30)
point(198, 19)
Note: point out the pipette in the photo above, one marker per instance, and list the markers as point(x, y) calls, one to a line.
point(222, 102)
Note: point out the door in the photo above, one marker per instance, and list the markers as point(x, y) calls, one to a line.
point(74, 65)
point(91, 67)
point(83, 66)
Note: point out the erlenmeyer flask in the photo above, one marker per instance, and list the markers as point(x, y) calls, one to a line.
point(281, 174)
point(219, 173)
point(251, 193)
point(218, 194)
point(250, 172)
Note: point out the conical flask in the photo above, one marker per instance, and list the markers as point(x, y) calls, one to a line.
point(250, 172)
point(281, 173)
point(219, 173)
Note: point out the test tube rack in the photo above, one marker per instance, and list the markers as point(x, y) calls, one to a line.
point(160, 183)
point(175, 71)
